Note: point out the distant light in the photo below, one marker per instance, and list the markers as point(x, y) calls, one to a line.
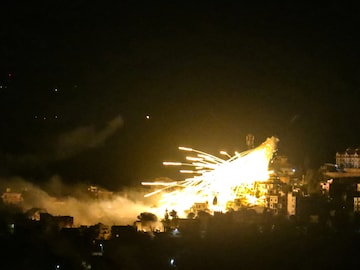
point(55, 89)
point(9, 74)
point(147, 117)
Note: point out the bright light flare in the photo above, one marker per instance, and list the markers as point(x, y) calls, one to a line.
point(216, 182)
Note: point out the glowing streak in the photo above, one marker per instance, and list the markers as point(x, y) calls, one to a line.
point(167, 163)
point(185, 148)
point(159, 183)
point(194, 159)
point(153, 193)
point(211, 158)
point(190, 171)
point(225, 153)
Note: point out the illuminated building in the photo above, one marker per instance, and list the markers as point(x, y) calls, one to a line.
point(35, 213)
point(291, 204)
point(341, 185)
point(58, 222)
point(250, 141)
point(350, 158)
point(10, 197)
point(100, 194)
point(282, 168)
point(101, 231)
point(347, 167)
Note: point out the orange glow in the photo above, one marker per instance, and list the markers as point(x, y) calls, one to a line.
point(216, 182)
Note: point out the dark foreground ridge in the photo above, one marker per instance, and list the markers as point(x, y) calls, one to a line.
point(235, 240)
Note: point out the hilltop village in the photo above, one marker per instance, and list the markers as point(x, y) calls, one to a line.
point(308, 222)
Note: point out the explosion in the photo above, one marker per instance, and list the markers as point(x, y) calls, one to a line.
point(217, 184)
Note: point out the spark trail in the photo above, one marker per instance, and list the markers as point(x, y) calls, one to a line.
point(216, 180)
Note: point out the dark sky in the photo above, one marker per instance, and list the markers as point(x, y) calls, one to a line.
point(77, 81)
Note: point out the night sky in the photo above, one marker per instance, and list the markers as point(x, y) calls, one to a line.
point(103, 93)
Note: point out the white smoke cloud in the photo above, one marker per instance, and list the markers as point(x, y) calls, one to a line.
point(57, 198)
point(121, 209)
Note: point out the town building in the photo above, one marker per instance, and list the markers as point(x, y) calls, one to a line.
point(9, 197)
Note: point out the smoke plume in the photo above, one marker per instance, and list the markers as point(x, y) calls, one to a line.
point(74, 142)
point(58, 199)
point(62, 147)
